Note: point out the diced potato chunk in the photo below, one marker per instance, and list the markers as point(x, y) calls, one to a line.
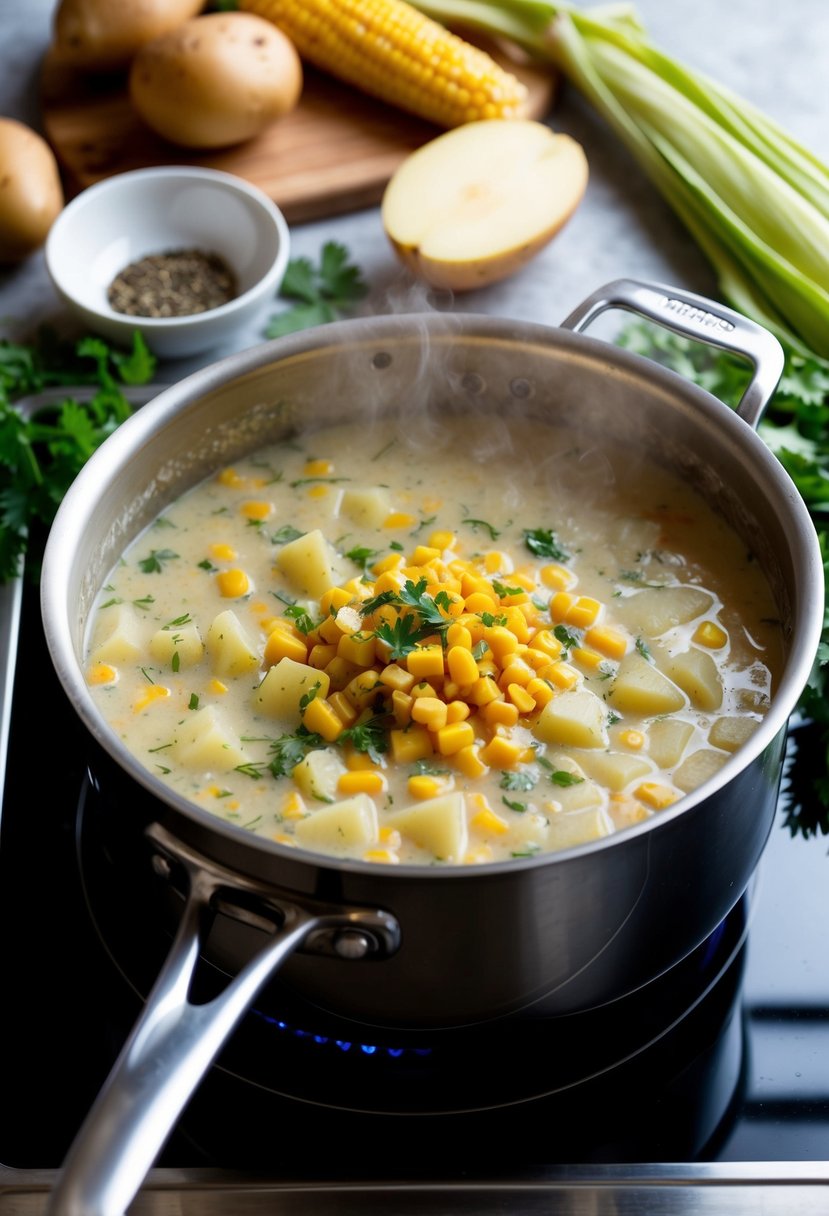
point(697, 674)
point(657, 609)
point(529, 832)
point(667, 740)
point(577, 797)
point(698, 767)
point(731, 733)
point(230, 649)
point(638, 688)
point(437, 825)
point(284, 686)
point(206, 742)
point(367, 507)
point(308, 563)
point(183, 640)
point(571, 828)
point(318, 773)
point(573, 719)
point(615, 770)
point(348, 826)
point(118, 635)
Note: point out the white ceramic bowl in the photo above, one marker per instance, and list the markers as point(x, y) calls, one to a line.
point(124, 218)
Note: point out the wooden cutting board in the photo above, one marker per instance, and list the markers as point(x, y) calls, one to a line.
point(334, 153)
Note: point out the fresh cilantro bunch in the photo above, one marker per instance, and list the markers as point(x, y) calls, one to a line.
point(796, 428)
point(321, 293)
point(42, 452)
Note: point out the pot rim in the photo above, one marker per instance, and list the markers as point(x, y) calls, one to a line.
point(186, 393)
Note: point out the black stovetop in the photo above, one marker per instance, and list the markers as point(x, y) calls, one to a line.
point(729, 1063)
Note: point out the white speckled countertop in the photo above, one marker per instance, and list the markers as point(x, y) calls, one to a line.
point(775, 55)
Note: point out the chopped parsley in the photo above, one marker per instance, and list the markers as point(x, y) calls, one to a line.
point(543, 543)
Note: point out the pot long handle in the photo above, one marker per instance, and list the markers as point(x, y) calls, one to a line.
point(695, 317)
point(174, 1041)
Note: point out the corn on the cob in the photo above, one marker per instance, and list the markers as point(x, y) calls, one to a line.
point(390, 50)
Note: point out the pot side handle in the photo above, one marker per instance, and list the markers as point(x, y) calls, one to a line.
point(698, 318)
point(175, 1041)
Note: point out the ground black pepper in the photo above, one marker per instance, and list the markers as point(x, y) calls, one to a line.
point(176, 283)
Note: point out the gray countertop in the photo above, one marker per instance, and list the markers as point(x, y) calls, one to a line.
point(774, 55)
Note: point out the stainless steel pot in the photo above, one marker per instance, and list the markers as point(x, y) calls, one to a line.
point(414, 946)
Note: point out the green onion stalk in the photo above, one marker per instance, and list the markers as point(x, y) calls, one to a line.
point(755, 201)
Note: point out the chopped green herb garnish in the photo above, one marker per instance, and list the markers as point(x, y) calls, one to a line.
point(542, 542)
point(319, 293)
point(154, 564)
point(286, 533)
point(519, 780)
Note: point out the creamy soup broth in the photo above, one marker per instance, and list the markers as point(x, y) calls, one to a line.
point(466, 649)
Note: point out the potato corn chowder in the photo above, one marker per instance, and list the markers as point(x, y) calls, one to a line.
point(435, 652)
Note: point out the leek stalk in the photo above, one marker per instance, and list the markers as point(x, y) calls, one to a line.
point(755, 201)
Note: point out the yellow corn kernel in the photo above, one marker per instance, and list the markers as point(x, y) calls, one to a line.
point(423, 786)
point(561, 674)
point(321, 655)
point(485, 820)
point(357, 648)
point(361, 781)
point(343, 708)
point(401, 707)
point(610, 642)
point(407, 746)
point(547, 641)
point(516, 671)
point(425, 661)
point(523, 701)
point(283, 838)
point(340, 672)
point(348, 619)
point(454, 736)
point(329, 631)
point(461, 664)
point(284, 645)
point(387, 580)
point(429, 711)
point(390, 837)
point(399, 519)
point(384, 856)
point(458, 635)
point(456, 710)
point(480, 601)
point(655, 795)
point(363, 688)
point(318, 491)
point(586, 657)
point(540, 691)
point(321, 719)
point(156, 692)
point(496, 562)
point(709, 633)
point(469, 762)
point(535, 658)
point(221, 552)
point(396, 677)
point(584, 612)
point(294, 806)
point(500, 713)
point(501, 641)
point(634, 739)
point(393, 561)
point(501, 752)
point(256, 509)
point(319, 468)
point(396, 45)
point(483, 691)
point(424, 554)
point(358, 761)
point(557, 577)
point(233, 583)
point(517, 623)
point(560, 605)
point(102, 673)
point(217, 687)
point(332, 600)
point(229, 477)
point(442, 539)
point(423, 689)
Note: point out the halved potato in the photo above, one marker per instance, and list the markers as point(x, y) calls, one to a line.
point(477, 203)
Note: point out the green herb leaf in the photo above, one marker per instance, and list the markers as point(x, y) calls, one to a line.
point(320, 294)
point(542, 542)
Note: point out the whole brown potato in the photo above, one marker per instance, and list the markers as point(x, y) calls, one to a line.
point(216, 80)
point(31, 194)
point(103, 35)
